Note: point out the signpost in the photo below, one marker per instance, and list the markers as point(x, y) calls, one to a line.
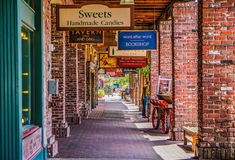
point(113, 51)
point(86, 36)
point(92, 16)
point(137, 40)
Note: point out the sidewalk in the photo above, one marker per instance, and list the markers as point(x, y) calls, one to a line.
point(166, 149)
point(115, 130)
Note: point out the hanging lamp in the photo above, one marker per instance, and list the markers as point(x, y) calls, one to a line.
point(127, 2)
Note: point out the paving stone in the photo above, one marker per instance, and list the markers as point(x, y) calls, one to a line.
point(108, 137)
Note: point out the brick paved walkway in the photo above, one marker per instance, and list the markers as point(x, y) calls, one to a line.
point(107, 135)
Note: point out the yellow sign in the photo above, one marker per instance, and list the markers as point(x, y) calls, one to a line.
point(107, 62)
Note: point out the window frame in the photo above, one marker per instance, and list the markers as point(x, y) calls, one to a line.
point(32, 73)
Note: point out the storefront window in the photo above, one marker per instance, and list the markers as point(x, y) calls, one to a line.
point(27, 75)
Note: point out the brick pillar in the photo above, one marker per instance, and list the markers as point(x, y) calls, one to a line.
point(88, 86)
point(82, 82)
point(71, 83)
point(217, 90)
point(60, 126)
point(185, 72)
point(154, 72)
point(165, 59)
point(165, 56)
point(49, 140)
point(165, 31)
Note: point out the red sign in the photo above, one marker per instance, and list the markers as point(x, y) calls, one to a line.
point(113, 71)
point(132, 62)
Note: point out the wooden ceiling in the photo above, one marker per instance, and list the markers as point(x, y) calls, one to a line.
point(145, 11)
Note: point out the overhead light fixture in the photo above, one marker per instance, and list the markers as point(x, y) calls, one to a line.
point(127, 2)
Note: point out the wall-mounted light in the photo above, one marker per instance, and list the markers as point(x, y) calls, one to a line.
point(127, 2)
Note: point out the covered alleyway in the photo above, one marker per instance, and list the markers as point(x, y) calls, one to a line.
point(116, 131)
point(173, 59)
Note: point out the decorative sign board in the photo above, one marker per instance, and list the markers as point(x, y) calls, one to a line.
point(113, 51)
point(100, 15)
point(130, 62)
point(113, 71)
point(129, 70)
point(85, 36)
point(107, 62)
point(137, 40)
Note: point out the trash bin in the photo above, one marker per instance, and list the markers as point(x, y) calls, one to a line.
point(145, 105)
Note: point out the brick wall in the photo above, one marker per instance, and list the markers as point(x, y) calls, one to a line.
point(81, 80)
point(217, 105)
point(154, 68)
point(49, 139)
point(165, 31)
point(185, 74)
point(47, 64)
point(71, 83)
point(58, 72)
point(165, 56)
point(81, 76)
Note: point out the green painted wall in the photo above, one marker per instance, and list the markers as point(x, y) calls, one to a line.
point(12, 13)
point(10, 137)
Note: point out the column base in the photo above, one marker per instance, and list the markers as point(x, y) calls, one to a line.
point(76, 119)
point(177, 134)
point(52, 148)
point(61, 130)
point(216, 153)
point(84, 112)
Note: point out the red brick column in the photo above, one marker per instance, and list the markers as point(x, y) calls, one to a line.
point(71, 83)
point(165, 31)
point(217, 104)
point(60, 126)
point(165, 58)
point(49, 139)
point(82, 82)
point(185, 36)
point(154, 72)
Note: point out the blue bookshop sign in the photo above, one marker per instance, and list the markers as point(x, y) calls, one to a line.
point(137, 40)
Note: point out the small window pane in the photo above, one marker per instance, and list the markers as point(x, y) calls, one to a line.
point(26, 37)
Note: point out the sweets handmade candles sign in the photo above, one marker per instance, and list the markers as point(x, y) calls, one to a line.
point(93, 16)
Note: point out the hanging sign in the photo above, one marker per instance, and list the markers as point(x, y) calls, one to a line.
point(137, 40)
point(85, 36)
point(129, 70)
point(107, 62)
point(92, 16)
point(132, 62)
point(113, 71)
point(113, 51)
